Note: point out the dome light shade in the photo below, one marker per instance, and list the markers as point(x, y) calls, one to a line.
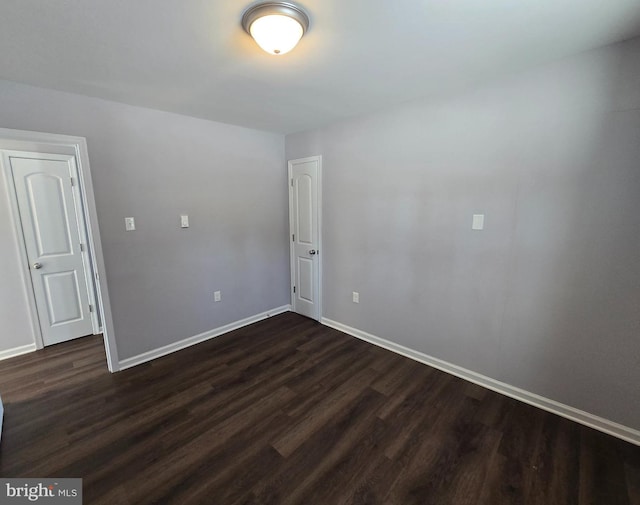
point(276, 34)
point(275, 26)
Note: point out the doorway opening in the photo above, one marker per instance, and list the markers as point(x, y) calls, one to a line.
point(50, 191)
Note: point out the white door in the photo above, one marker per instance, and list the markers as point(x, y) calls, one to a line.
point(51, 225)
point(304, 221)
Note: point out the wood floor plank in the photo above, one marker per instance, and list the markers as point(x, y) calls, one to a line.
point(348, 469)
point(321, 451)
point(372, 488)
point(632, 474)
point(288, 411)
point(317, 417)
point(432, 468)
point(555, 463)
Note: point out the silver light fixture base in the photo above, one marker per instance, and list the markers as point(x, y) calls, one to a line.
point(270, 8)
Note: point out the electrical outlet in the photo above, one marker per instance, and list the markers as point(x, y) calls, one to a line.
point(217, 296)
point(356, 297)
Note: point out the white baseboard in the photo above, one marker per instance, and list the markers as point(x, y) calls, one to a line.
point(580, 416)
point(17, 351)
point(196, 339)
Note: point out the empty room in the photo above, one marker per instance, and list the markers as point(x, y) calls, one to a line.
point(320, 252)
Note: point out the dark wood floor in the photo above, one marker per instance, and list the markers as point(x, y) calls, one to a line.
point(289, 411)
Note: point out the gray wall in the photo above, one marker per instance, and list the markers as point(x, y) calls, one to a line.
point(547, 297)
point(154, 166)
point(15, 328)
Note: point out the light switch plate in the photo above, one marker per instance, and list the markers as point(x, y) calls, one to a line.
point(356, 297)
point(217, 296)
point(478, 222)
point(184, 221)
point(129, 224)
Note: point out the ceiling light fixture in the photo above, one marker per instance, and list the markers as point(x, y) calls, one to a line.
point(276, 26)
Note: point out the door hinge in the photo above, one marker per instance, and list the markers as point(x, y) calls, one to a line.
point(90, 308)
point(293, 237)
point(291, 182)
point(81, 247)
point(294, 289)
point(73, 181)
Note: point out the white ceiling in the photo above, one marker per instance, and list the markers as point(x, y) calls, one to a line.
point(192, 57)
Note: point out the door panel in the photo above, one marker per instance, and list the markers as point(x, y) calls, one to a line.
point(52, 240)
point(305, 279)
point(63, 296)
point(305, 234)
point(303, 185)
point(45, 199)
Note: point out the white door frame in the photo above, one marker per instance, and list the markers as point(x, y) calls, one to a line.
point(49, 143)
point(320, 254)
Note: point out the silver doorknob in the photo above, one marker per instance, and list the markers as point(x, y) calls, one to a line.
point(37, 266)
point(312, 252)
